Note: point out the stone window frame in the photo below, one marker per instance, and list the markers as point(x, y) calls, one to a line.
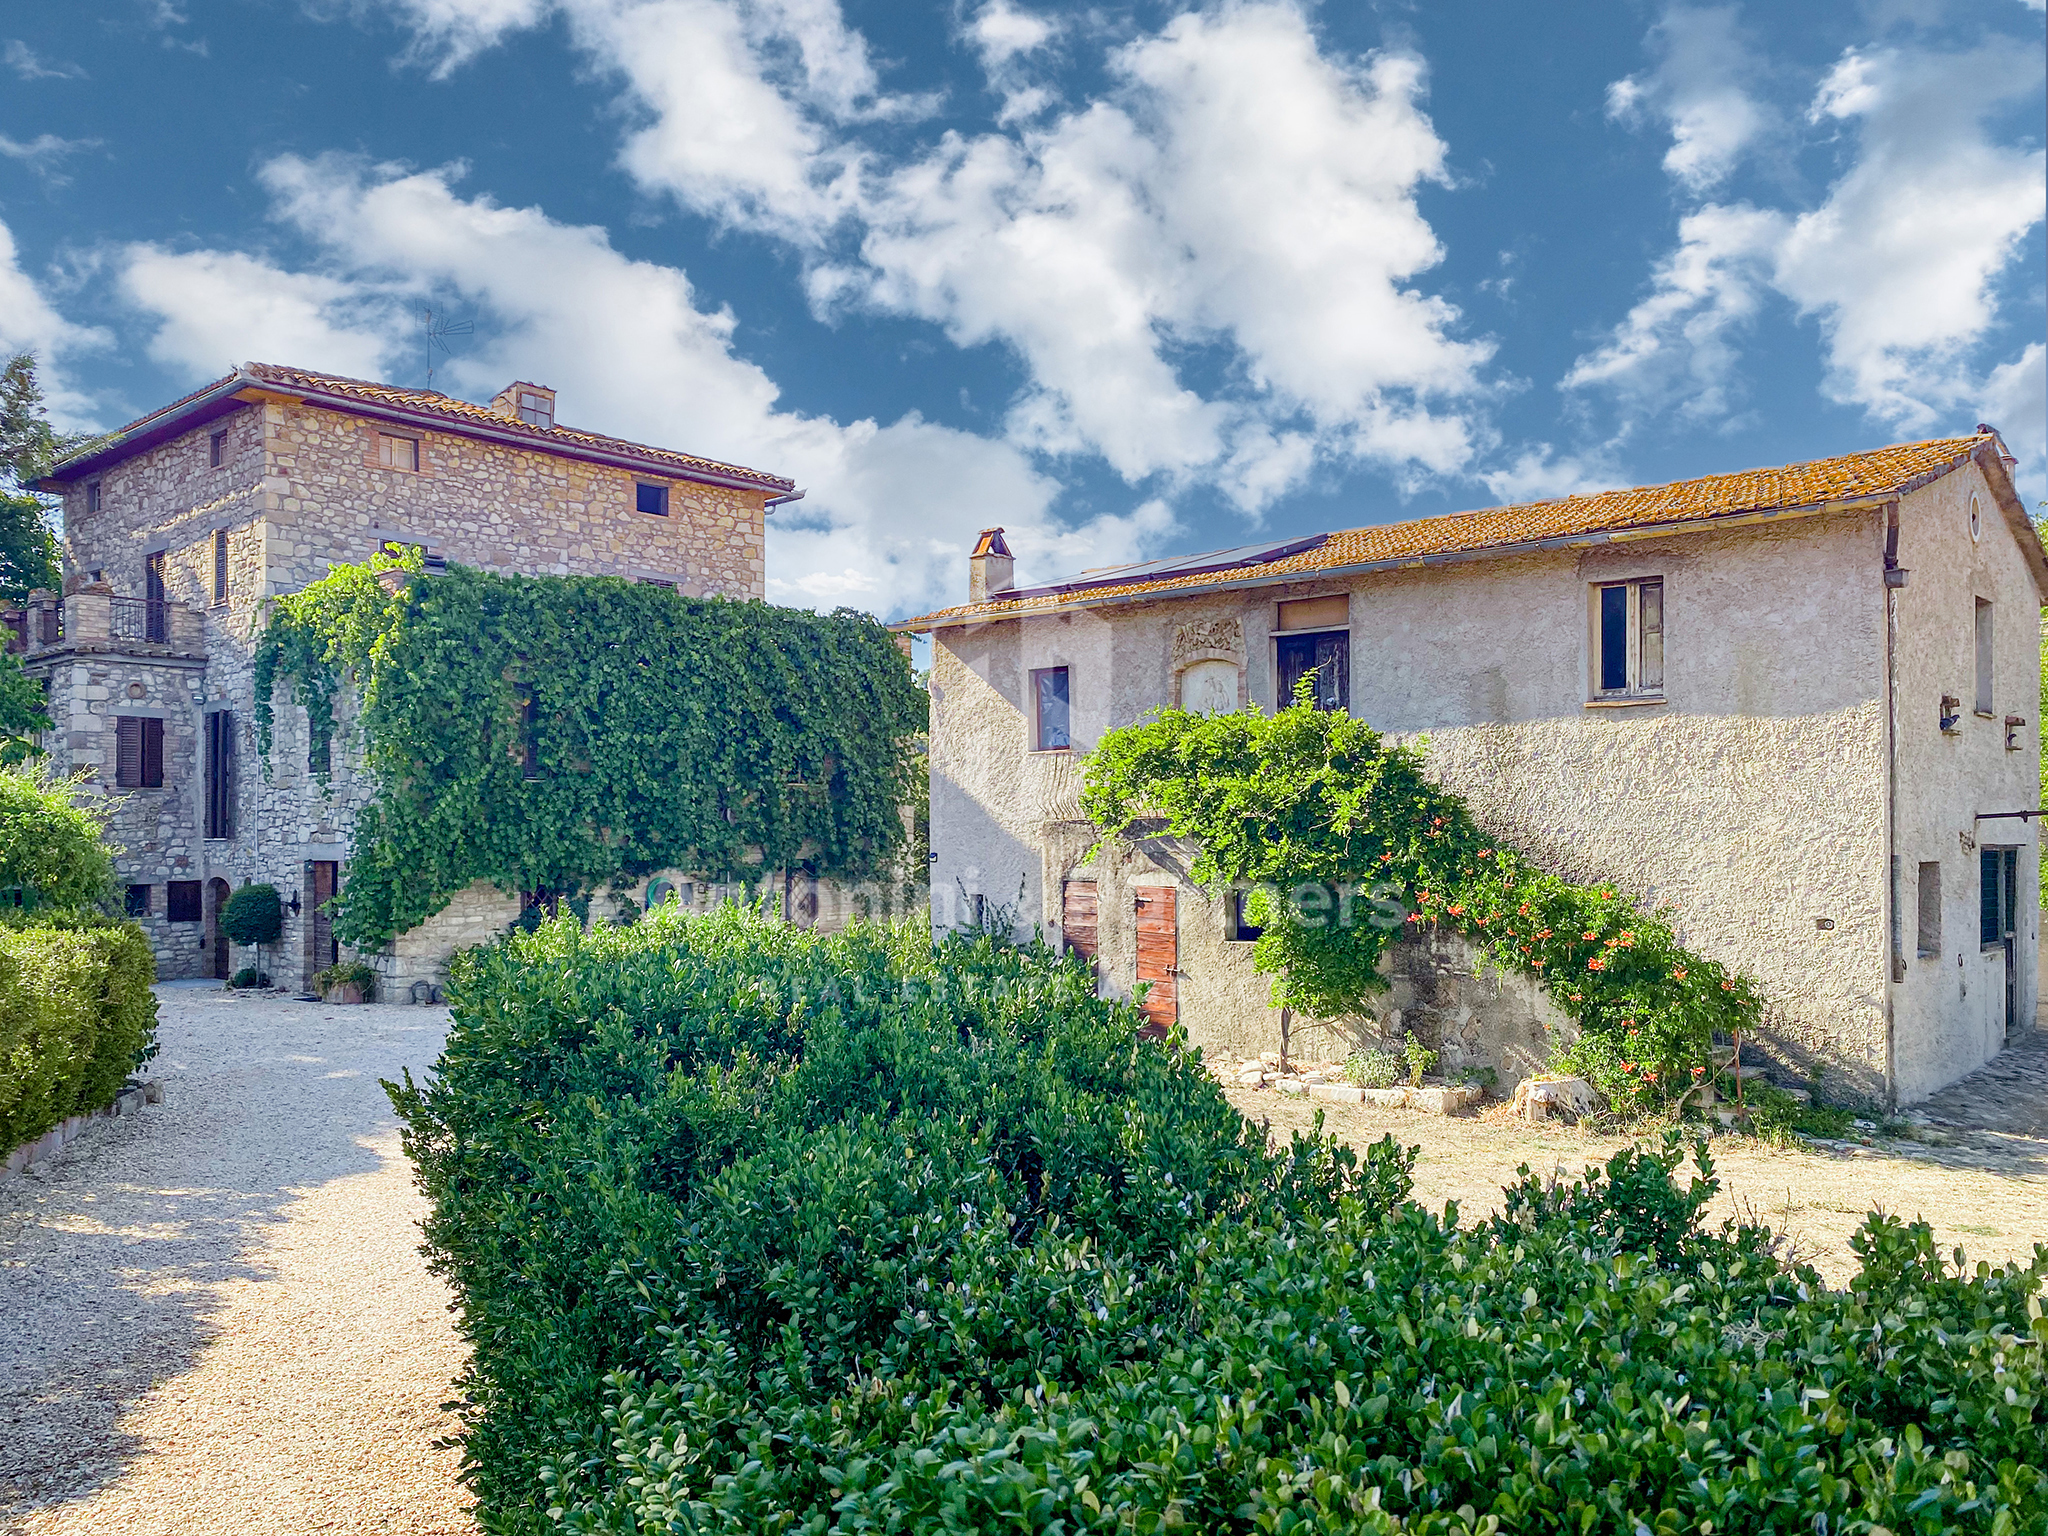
point(217, 449)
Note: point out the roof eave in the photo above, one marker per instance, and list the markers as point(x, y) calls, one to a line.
point(1990, 460)
point(954, 618)
point(208, 404)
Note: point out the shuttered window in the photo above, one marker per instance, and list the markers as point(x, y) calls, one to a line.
point(1629, 638)
point(181, 901)
point(138, 752)
point(395, 452)
point(220, 565)
point(1998, 891)
point(220, 773)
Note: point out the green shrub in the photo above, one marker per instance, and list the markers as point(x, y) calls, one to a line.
point(1373, 1069)
point(253, 915)
point(52, 854)
point(756, 1230)
point(76, 1017)
point(1420, 1059)
point(350, 973)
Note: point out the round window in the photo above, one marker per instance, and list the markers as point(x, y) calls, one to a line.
point(1976, 519)
point(659, 892)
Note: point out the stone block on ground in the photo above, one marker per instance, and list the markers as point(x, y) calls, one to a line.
point(1574, 1097)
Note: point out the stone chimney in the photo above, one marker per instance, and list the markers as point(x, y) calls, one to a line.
point(991, 569)
point(533, 404)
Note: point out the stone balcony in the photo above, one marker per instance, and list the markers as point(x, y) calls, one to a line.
point(93, 620)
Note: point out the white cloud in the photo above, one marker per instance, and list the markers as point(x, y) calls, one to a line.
point(1540, 473)
point(631, 352)
point(1242, 195)
point(2014, 399)
point(1699, 87)
point(29, 322)
point(42, 153)
point(30, 65)
point(1678, 347)
point(1899, 265)
point(1000, 32)
point(1901, 262)
point(449, 33)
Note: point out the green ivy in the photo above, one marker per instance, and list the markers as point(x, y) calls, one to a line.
point(667, 732)
point(1345, 840)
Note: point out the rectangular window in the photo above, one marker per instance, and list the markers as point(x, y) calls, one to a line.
point(656, 581)
point(1998, 889)
point(156, 616)
point(1930, 910)
point(1316, 613)
point(536, 410)
point(220, 773)
point(1051, 709)
point(138, 752)
point(1629, 638)
point(395, 452)
point(650, 498)
point(217, 449)
point(220, 565)
point(1984, 657)
point(92, 495)
point(1327, 655)
point(1235, 927)
point(138, 901)
point(181, 901)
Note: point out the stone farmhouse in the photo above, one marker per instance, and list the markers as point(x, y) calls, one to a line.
point(181, 525)
point(1796, 706)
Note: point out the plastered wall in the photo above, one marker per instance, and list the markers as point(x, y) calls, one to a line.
point(1752, 800)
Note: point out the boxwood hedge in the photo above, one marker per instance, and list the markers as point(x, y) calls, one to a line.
point(76, 1017)
point(754, 1230)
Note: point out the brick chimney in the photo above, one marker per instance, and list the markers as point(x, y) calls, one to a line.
point(991, 569)
point(533, 404)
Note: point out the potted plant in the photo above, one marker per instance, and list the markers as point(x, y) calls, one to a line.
point(253, 915)
point(349, 982)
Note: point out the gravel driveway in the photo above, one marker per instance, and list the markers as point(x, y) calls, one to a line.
point(217, 1319)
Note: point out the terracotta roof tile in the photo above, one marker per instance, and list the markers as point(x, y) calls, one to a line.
point(1876, 472)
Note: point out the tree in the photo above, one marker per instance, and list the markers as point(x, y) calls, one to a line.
point(53, 851)
point(29, 560)
point(253, 915)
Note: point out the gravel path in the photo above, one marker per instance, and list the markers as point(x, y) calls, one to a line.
point(217, 1318)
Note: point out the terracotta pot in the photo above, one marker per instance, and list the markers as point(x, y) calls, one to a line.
point(348, 992)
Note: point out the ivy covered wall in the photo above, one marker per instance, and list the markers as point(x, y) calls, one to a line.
point(565, 733)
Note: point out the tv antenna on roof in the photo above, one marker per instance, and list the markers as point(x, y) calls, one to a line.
point(435, 331)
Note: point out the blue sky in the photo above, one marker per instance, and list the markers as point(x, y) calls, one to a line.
point(1129, 280)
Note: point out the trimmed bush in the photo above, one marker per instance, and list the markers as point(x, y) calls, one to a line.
point(253, 915)
point(756, 1230)
point(76, 1017)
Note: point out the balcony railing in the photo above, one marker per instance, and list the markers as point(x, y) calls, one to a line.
point(140, 618)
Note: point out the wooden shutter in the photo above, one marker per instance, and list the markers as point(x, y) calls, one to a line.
point(152, 754)
point(1159, 955)
point(127, 752)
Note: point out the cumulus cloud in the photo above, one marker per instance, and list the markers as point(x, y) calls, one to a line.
point(632, 351)
point(1242, 193)
point(1898, 265)
point(1699, 86)
point(1541, 473)
point(29, 322)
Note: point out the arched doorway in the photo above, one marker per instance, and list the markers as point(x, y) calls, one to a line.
point(217, 893)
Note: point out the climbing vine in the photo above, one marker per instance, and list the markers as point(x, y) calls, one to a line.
point(560, 733)
point(1344, 842)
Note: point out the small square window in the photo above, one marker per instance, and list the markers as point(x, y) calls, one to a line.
point(1051, 709)
point(181, 901)
point(138, 901)
point(1629, 638)
point(92, 495)
point(395, 452)
point(217, 449)
point(536, 410)
point(651, 499)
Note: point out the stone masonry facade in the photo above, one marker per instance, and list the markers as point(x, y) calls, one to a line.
point(181, 529)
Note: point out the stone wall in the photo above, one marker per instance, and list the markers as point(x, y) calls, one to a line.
point(297, 492)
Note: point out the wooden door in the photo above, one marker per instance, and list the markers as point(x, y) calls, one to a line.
point(1079, 923)
point(1159, 956)
point(321, 884)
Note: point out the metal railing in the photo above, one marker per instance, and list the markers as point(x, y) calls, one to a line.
point(140, 618)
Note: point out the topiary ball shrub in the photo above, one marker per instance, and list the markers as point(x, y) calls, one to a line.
point(249, 976)
point(253, 915)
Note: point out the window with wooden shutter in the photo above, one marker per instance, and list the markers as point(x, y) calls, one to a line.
point(181, 901)
point(220, 565)
point(138, 752)
point(220, 774)
point(394, 452)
